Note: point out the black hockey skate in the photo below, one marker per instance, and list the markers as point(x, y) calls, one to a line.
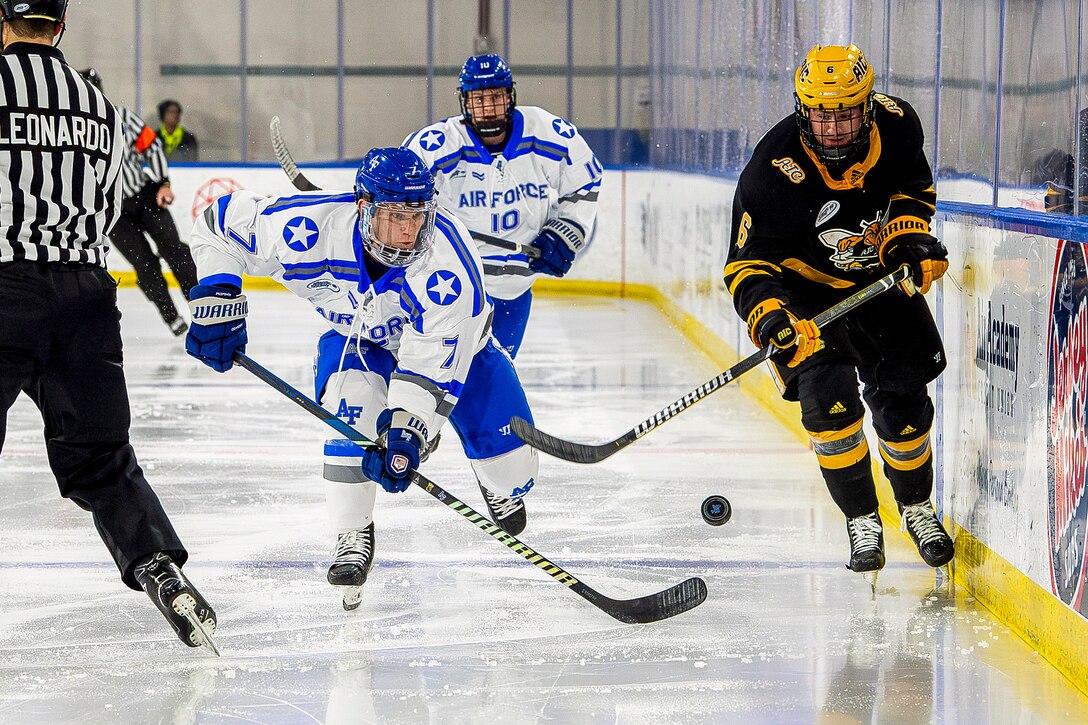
point(866, 546)
point(934, 544)
point(351, 563)
point(185, 609)
point(508, 513)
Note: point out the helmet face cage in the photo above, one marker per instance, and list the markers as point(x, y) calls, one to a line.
point(834, 80)
point(496, 123)
point(382, 222)
point(820, 143)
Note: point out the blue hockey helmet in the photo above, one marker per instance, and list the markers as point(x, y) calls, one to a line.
point(394, 191)
point(480, 73)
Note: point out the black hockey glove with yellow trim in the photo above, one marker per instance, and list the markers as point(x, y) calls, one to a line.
point(770, 323)
point(923, 253)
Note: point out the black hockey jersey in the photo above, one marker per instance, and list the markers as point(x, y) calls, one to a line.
point(808, 239)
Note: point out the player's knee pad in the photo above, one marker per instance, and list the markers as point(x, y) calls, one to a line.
point(509, 475)
point(829, 397)
point(349, 505)
point(900, 417)
point(356, 397)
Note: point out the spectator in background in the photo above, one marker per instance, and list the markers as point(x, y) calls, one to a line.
point(146, 194)
point(181, 145)
point(1057, 169)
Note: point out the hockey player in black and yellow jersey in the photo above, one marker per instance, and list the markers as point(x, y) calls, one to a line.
point(836, 195)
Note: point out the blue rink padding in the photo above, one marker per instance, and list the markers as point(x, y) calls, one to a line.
point(491, 396)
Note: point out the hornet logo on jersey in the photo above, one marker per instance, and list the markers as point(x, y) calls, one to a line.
point(300, 233)
point(432, 140)
point(443, 287)
point(854, 249)
point(563, 128)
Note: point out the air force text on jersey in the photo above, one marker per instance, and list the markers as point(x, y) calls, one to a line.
point(506, 197)
point(53, 130)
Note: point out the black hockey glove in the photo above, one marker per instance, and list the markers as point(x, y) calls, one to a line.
point(923, 253)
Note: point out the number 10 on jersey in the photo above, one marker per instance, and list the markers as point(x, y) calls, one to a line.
point(505, 222)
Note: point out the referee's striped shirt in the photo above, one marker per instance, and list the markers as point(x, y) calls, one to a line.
point(60, 160)
point(145, 157)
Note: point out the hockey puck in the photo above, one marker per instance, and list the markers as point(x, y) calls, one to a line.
point(716, 510)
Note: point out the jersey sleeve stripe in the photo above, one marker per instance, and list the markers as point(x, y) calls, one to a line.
point(291, 202)
point(466, 260)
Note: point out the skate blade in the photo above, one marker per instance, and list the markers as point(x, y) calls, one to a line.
point(185, 605)
point(870, 577)
point(353, 596)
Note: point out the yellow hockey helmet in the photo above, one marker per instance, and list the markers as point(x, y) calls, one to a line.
point(834, 78)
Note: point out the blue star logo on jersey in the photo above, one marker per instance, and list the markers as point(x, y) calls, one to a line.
point(443, 287)
point(300, 233)
point(432, 140)
point(563, 128)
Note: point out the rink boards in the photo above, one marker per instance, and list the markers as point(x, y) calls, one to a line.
point(1011, 440)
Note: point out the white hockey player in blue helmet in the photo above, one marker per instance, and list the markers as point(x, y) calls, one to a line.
point(517, 173)
point(401, 286)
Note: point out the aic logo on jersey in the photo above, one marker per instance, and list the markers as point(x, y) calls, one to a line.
point(790, 168)
point(300, 233)
point(563, 128)
point(854, 249)
point(432, 140)
point(443, 287)
point(1067, 432)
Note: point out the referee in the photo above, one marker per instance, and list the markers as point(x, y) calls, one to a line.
point(60, 336)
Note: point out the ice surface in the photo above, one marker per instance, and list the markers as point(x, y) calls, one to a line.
point(454, 628)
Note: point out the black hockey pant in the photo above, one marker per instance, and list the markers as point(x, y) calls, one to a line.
point(140, 214)
point(60, 343)
point(832, 414)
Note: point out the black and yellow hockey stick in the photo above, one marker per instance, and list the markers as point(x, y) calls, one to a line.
point(595, 453)
point(675, 600)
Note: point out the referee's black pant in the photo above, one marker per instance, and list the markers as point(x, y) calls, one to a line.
point(139, 214)
point(60, 343)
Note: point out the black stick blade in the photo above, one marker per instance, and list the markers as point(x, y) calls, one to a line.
point(677, 599)
point(567, 450)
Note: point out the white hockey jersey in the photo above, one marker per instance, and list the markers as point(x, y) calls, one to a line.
point(546, 170)
point(433, 315)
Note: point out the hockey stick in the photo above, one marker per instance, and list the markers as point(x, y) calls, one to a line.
point(300, 182)
point(590, 453)
point(284, 157)
point(675, 600)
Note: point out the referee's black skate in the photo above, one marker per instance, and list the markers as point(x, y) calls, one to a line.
point(351, 562)
point(866, 546)
point(508, 513)
point(185, 609)
point(934, 544)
